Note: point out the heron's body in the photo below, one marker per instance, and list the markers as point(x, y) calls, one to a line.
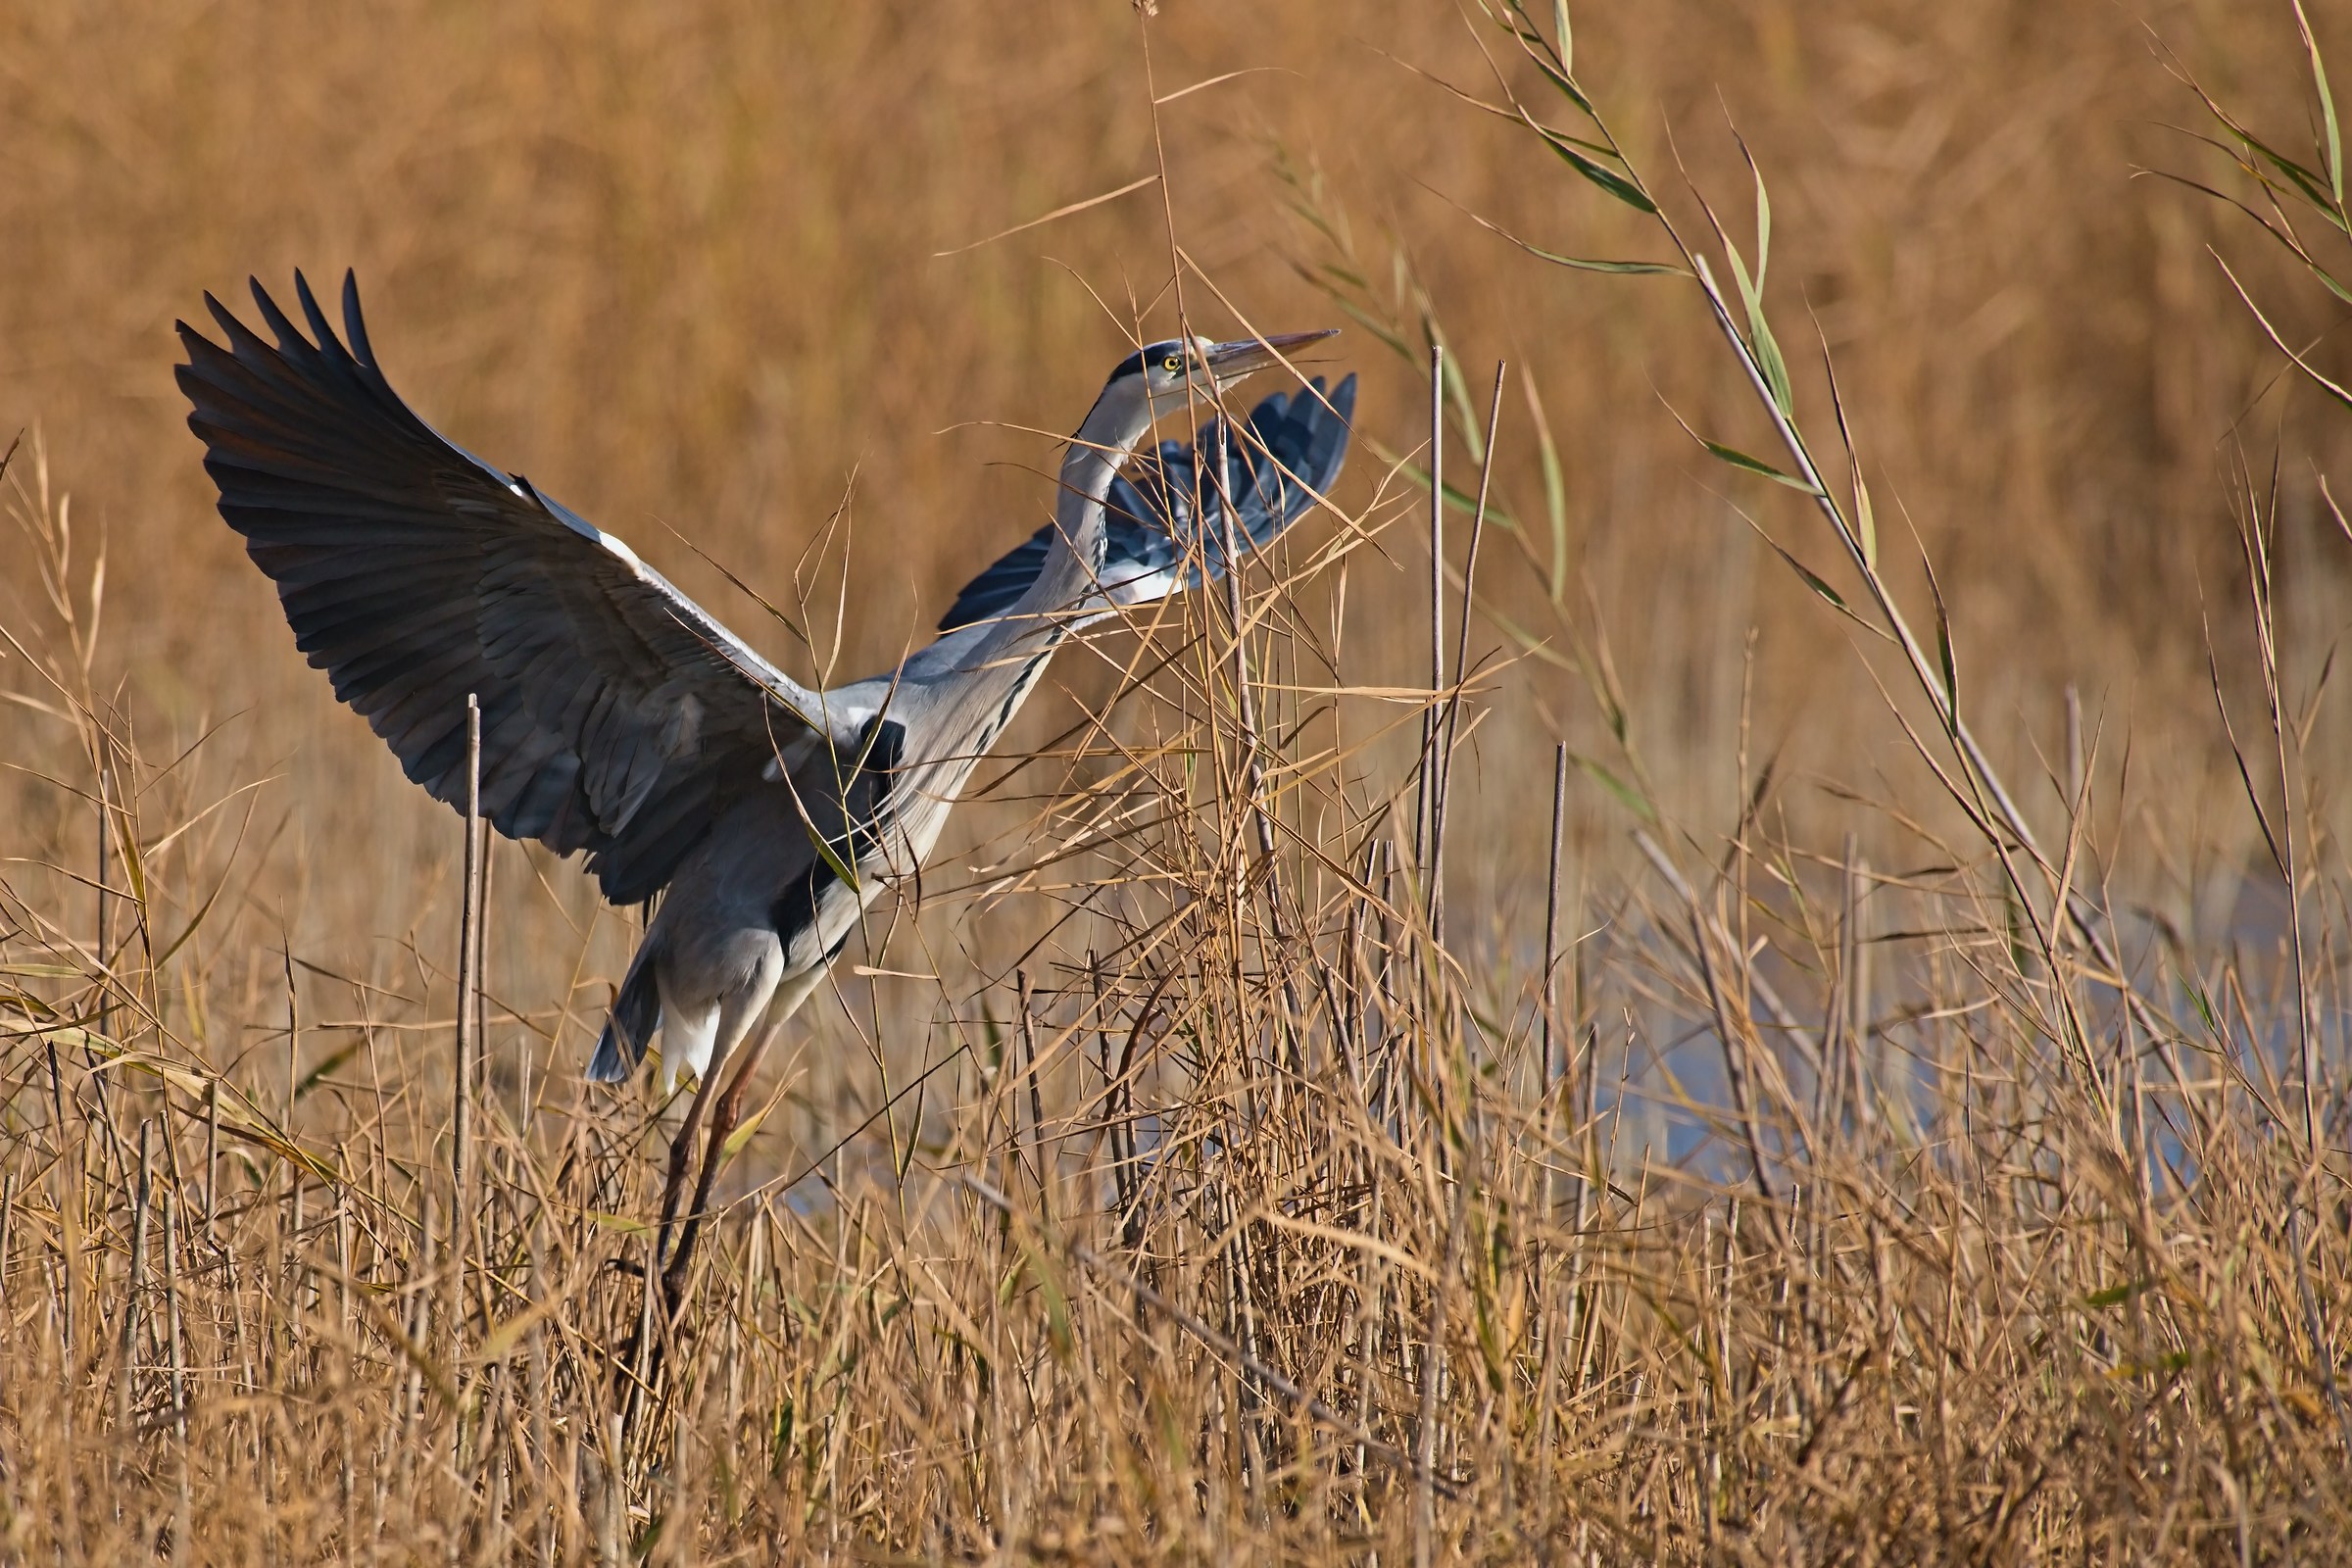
point(622, 721)
point(757, 907)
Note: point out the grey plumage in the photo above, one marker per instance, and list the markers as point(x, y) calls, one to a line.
point(622, 721)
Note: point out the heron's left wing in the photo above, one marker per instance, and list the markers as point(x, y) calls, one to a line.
point(618, 717)
point(1157, 542)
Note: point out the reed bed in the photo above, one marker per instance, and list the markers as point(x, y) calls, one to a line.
point(1193, 1167)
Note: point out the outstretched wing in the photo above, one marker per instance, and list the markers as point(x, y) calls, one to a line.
point(1286, 456)
point(617, 714)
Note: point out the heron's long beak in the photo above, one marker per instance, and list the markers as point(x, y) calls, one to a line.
point(1230, 362)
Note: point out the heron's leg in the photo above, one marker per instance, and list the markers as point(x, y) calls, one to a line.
point(640, 1367)
point(724, 1118)
point(681, 1154)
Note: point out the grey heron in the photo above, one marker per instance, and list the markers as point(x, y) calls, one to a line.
point(622, 721)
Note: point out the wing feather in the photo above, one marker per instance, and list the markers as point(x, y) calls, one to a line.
point(616, 710)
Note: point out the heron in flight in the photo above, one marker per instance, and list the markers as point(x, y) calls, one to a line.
point(621, 720)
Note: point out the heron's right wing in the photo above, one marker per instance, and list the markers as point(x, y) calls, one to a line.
point(1282, 462)
point(616, 713)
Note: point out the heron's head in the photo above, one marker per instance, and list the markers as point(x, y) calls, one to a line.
point(1159, 373)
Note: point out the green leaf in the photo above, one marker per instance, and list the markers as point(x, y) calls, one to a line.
point(1460, 500)
point(2334, 287)
point(1626, 796)
point(1608, 180)
point(1378, 329)
point(2213, 1022)
point(1748, 286)
point(1457, 392)
point(134, 869)
point(1760, 341)
point(1951, 674)
point(1559, 79)
point(2310, 186)
point(1580, 263)
point(1757, 466)
point(620, 1223)
point(2115, 1295)
point(311, 1079)
point(1767, 351)
point(2319, 80)
point(1555, 491)
point(1557, 63)
point(1586, 263)
point(743, 1132)
point(832, 856)
point(1812, 578)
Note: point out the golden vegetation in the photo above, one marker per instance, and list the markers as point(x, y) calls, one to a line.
point(1921, 1148)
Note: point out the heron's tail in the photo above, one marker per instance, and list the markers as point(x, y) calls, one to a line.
point(629, 1027)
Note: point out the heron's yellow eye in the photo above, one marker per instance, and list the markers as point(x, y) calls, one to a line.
point(1172, 364)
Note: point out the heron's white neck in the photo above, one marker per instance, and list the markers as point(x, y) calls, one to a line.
point(1120, 418)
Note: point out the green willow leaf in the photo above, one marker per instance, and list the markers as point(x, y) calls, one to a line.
point(1555, 497)
point(1951, 672)
point(1608, 180)
point(2115, 1295)
point(1558, 65)
point(311, 1079)
point(2319, 80)
point(1363, 318)
point(1626, 796)
point(1456, 498)
point(1767, 349)
point(2309, 185)
point(1756, 466)
point(1813, 579)
point(1760, 341)
point(1586, 263)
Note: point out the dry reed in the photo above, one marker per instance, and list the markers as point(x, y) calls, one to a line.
point(1905, 1174)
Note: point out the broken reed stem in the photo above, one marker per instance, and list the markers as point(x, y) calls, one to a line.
point(461, 1096)
point(1545, 998)
point(104, 949)
point(481, 973)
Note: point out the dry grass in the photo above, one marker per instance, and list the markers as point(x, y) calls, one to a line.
point(1881, 1172)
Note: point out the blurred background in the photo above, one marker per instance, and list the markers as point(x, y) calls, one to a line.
point(708, 271)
